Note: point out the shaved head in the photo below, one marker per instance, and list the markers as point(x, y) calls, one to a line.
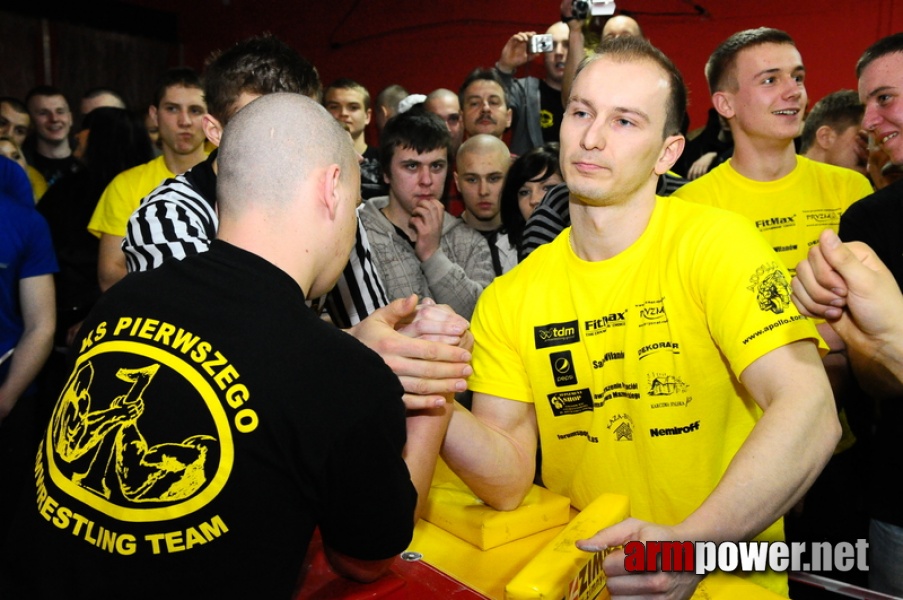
point(480, 168)
point(484, 144)
point(622, 25)
point(272, 146)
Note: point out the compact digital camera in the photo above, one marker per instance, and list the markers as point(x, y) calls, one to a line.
point(541, 43)
point(583, 8)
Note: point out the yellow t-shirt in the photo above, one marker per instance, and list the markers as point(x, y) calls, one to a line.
point(124, 194)
point(791, 212)
point(632, 363)
point(38, 183)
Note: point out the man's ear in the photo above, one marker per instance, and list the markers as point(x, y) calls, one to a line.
point(213, 129)
point(152, 111)
point(825, 136)
point(330, 192)
point(369, 116)
point(508, 121)
point(672, 148)
point(724, 104)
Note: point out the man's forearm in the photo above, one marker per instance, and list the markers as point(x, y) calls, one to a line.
point(110, 262)
point(776, 465)
point(30, 354)
point(425, 431)
point(451, 284)
point(575, 55)
point(496, 467)
point(879, 374)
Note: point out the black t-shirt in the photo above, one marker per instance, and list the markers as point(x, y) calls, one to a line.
point(876, 220)
point(68, 207)
point(372, 182)
point(53, 169)
point(551, 111)
point(211, 421)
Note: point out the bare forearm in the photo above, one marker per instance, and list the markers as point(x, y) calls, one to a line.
point(776, 465)
point(575, 55)
point(31, 352)
point(110, 262)
point(496, 467)
point(879, 373)
point(425, 431)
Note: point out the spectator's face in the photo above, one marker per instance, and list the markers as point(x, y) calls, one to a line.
point(415, 177)
point(485, 110)
point(52, 118)
point(611, 134)
point(849, 149)
point(347, 107)
point(532, 192)
point(555, 61)
point(771, 94)
point(480, 175)
point(880, 88)
point(180, 119)
point(13, 124)
point(449, 110)
point(11, 151)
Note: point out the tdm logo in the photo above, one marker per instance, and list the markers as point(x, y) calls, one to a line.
point(556, 334)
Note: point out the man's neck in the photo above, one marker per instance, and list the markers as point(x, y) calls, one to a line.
point(602, 232)
point(179, 163)
point(555, 85)
point(360, 143)
point(53, 149)
point(481, 225)
point(763, 160)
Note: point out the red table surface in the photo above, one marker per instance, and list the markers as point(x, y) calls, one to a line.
point(407, 580)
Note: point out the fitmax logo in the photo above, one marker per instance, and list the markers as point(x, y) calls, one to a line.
point(776, 222)
point(556, 334)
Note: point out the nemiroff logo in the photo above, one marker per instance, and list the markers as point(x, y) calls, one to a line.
point(556, 334)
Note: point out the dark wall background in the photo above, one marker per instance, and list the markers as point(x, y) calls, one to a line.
point(420, 45)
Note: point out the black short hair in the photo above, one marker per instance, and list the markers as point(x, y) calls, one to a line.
point(344, 83)
point(44, 90)
point(422, 132)
point(16, 104)
point(720, 68)
point(261, 64)
point(181, 76)
point(539, 163)
point(839, 110)
point(482, 74)
point(884, 46)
